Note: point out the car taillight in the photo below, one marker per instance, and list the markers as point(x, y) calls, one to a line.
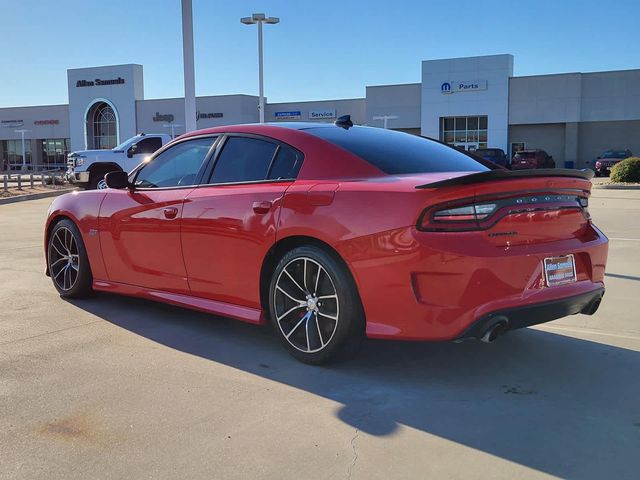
point(584, 203)
point(464, 214)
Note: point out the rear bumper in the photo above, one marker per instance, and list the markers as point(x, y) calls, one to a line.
point(525, 316)
point(437, 287)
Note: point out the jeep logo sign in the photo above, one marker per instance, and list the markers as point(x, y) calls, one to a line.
point(320, 114)
point(463, 86)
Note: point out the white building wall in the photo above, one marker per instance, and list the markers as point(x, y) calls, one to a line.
point(121, 96)
point(611, 96)
point(40, 121)
point(493, 101)
point(402, 101)
point(213, 111)
point(353, 106)
point(545, 99)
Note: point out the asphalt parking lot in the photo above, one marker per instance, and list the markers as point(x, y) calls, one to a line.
point(115, 387)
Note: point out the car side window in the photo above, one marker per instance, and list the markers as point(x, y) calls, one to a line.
point(177, 166)
point(243, 159)
point(286, 164)
point(148, 145)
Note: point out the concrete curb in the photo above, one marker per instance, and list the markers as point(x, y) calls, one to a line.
point(618, 186)
point(35, 196)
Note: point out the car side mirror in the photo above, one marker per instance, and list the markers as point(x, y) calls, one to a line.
point(118, 180)
point(132, 150)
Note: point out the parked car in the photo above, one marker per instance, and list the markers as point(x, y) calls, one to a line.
point(332, 233)
point(531, 159)
point(87, 168)
point(495, 155)
point(608, 159)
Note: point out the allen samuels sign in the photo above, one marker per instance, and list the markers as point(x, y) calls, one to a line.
point(98, 82)
point(455, 86)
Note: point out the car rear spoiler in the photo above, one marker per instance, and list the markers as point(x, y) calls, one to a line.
point(503, 174)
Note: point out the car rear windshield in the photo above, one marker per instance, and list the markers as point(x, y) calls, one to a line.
point(397, 153)
point(526, 154)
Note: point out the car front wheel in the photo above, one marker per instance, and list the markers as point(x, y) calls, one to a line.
point(67, 261)
point(315, 306)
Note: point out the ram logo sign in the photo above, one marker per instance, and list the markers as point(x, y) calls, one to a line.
point(463, 86)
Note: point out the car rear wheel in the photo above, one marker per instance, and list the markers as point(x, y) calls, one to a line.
point(315, 307)
point(67, 261)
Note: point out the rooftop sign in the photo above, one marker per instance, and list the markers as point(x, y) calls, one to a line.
point(455, 86)
point(98, 83)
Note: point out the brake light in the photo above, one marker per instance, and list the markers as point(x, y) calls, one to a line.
point(463, 216)
point(466, 213)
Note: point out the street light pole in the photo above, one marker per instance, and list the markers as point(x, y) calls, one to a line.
point(189, 73)
point(260, 75)
point(24, 150)
point(260, 18)
point(173, 127)
point(385, 118)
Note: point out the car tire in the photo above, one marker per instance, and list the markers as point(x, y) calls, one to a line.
point(96, 178)
point(67, 261)
point(315, 307)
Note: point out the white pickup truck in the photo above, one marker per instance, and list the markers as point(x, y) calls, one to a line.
point(87, 168)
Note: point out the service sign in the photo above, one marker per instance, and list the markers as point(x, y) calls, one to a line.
point(293, 115)
point(320, 114)
point(456, 86)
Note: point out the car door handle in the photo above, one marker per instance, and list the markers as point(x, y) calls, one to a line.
point(170, 212)
point(261, 207)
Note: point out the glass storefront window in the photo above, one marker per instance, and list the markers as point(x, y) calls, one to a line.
point(54, 153)
point(469, 133)
point(12, 154)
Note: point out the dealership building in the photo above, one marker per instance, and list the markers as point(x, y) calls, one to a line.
point(472, 102)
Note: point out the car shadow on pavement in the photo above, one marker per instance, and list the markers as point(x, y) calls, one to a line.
point(557, 404)
point(624, 277)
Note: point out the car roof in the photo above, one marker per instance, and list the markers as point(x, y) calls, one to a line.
point(300, 125)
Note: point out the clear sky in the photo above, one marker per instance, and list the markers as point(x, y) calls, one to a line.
point(322, 49)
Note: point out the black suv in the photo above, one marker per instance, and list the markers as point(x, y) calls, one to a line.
point(608, 159)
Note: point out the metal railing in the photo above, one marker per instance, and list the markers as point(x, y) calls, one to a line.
point(19, 181)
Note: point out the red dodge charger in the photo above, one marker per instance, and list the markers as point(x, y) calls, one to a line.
point(334, 232)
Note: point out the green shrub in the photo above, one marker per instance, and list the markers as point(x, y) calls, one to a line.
point(627, 170)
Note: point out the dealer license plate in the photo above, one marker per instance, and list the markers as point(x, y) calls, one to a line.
point(559, 270)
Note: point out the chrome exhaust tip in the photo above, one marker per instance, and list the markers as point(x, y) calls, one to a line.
point(498, 326)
